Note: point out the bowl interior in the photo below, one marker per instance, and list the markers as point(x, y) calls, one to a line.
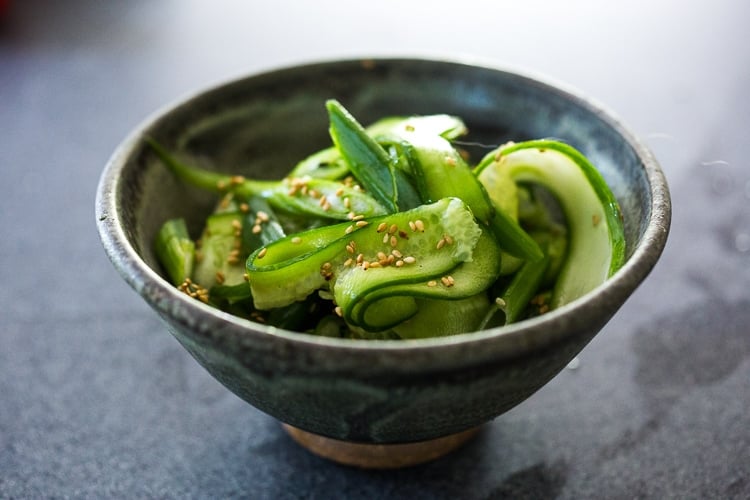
point(261, 126)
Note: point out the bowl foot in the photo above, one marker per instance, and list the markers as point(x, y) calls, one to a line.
point(379, 456)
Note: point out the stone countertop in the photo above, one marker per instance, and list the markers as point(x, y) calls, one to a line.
point(97, 400)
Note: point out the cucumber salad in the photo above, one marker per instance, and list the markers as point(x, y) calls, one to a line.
point(392, 232)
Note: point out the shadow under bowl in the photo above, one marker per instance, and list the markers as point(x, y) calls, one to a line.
point(378, 392)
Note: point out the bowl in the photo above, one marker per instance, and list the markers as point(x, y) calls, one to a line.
point(353, 400)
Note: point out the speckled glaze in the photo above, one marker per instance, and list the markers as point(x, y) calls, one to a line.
point(371, 391)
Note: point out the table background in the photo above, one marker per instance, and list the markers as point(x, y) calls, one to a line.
point(98, 400)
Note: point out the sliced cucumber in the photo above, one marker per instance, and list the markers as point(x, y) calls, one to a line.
point(596, 246)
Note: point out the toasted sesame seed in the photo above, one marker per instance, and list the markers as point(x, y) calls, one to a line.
point(358, 217)
point(221, 184)
point(246, 276)
point(392, 229)
point(262, 253)
point(326, 206)
point(237, 179)
point(394, 241)
point(323, 200)
point(386, 237)
point(412, 225)
point(365, 265)
point(296, 240)
point(347, 203)
point(257, 229)
point(236, 224)
point(450, 161)
point(440, 244)
point(244, 208)
point(381, 256)
point(391, 259)
point(410, 260)
point(432, 283)
point(381, 227)
point(263, 216)
point(360, 258)
point(361, 223)
point(349, 229)
point(375, 263)
point(339, 191)
point(448, 240)
point(399, 263)
point(396, 253)
point(326, 265)
point(220, 277)
point(419, 225)
point(339, 312)
point(445, 281)
point(350, 248)
point(313, 193)
point(348, 262)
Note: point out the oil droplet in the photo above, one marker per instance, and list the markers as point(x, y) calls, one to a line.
point(574, 363)
point(742, 242)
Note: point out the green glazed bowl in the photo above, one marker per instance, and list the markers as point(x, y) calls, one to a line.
point(377, 392)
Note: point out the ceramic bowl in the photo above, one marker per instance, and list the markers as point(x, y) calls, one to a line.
point(376, 392)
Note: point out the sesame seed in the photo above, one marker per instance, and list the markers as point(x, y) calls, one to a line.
point(349, 229)
point(296, 240)
point(361, 223)
point(326, 265)
point(386, 237)
point(347, 203)
point(381, 256)
point(412, 225)
point(220, 277)
point(392, 229)
point(221, 185)
point(448, 240)
point(440, 244)
point(339, 191)
point(409, 128)
point(257, 229)
point(263, 216)
point(360, 258)
point(595, 220)
point(381, 227)
point(244, 208)
point(410, 260)
point(339, 312)
point(396, 253)
point(314, 193)
point(375, 263)
point(262, 253)
point(365, 265)
point(323, 200)
point(237, 179)
point(350, 248)
point(394, 241)
point(445, 281)
point(236, 224)
point(450, 161)
point(432, 283)
point(419, 225)
point(399, 263)
point(348, 262)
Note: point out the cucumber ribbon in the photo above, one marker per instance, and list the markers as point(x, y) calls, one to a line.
point(596, 247)
point(375, 268)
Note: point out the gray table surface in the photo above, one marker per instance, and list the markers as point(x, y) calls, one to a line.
point(97, 400)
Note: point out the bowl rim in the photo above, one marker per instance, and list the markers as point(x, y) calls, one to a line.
point(523, 336)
